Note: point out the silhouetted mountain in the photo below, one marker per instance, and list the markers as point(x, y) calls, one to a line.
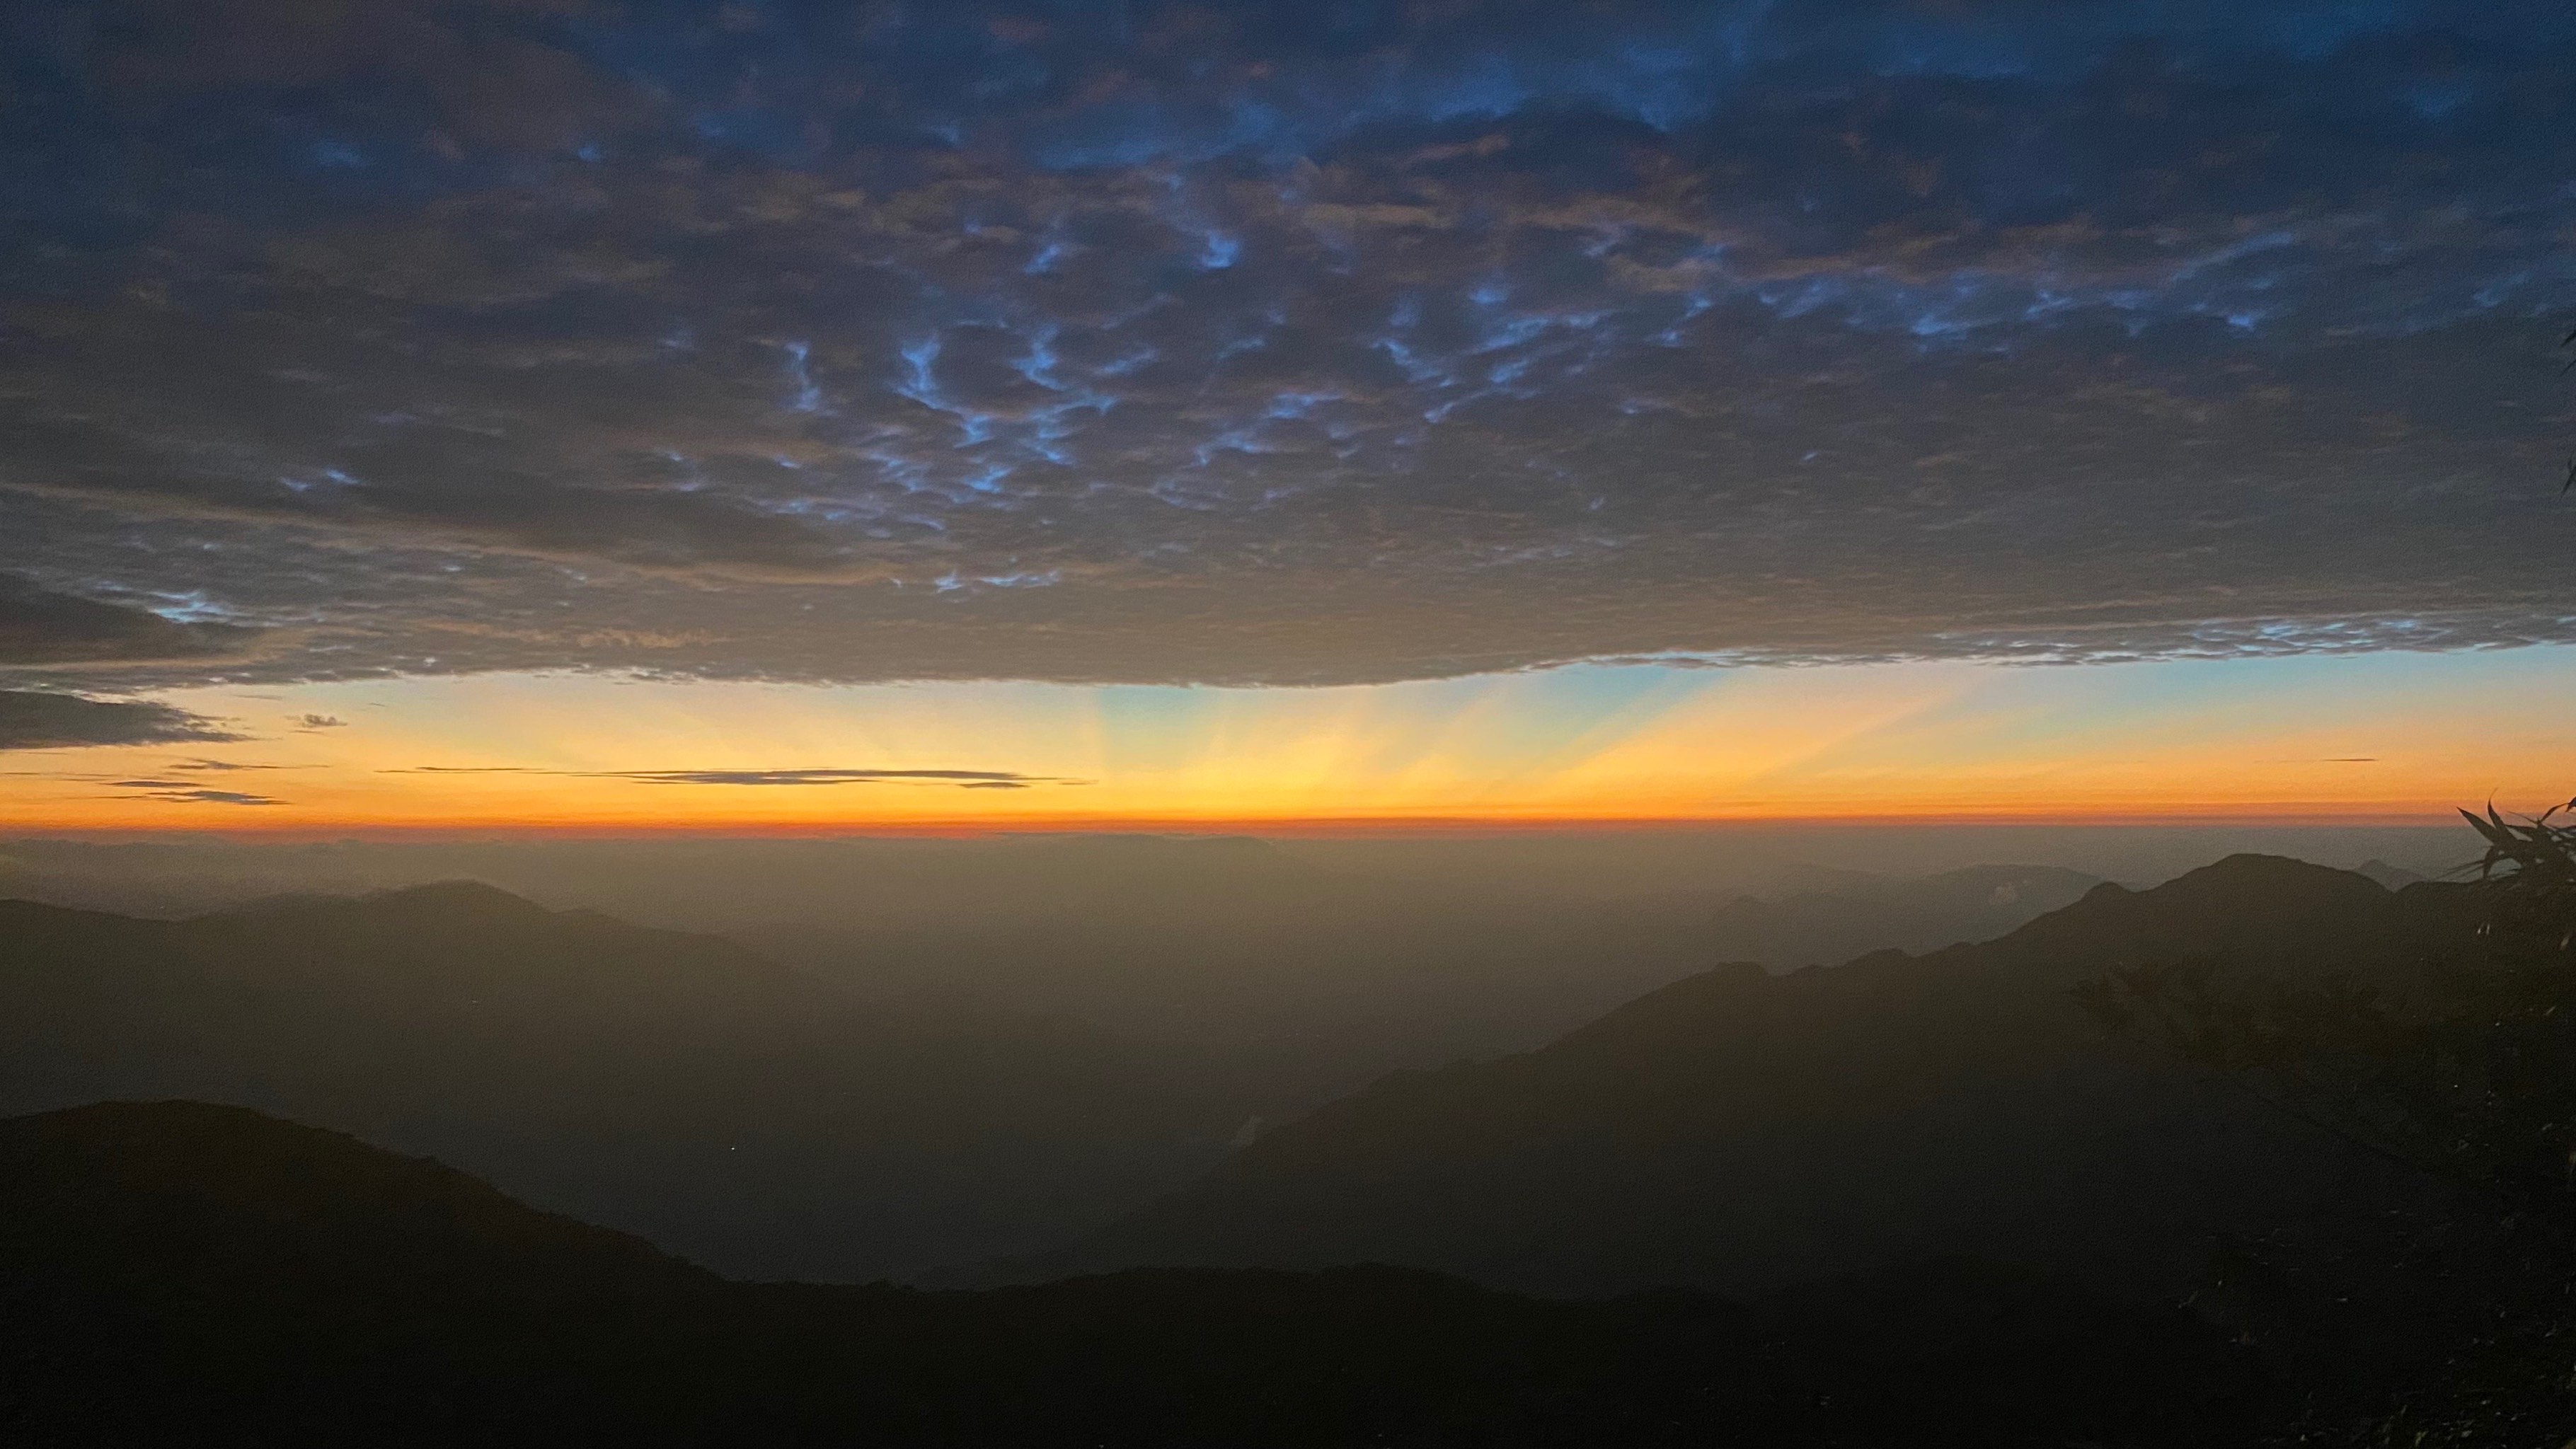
point(677, 1086)
point(2395, 878)
point(1317, 982)
point(1308, 968)
point(1860, 914)
point(759, 1119)
point(175, 1273)
point(1739, 1130)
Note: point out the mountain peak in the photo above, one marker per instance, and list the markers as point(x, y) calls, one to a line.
point(2391, 877)
point(2267, 883)
point(2243, 902)
point(460, 897)
point(2250, 865)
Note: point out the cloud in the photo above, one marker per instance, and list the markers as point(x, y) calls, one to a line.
point(34, 721)
point(969, 779)
point(966, 779)
point(163, 787)
point(40, 626)
point(184, 792)
point(311, 722)
point(1219, 346)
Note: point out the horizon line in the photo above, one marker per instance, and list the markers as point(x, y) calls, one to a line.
point(1285, 826)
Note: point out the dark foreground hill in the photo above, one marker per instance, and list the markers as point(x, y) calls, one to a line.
point(178, 1273)
point(1737, 1131)
point(672, 1085)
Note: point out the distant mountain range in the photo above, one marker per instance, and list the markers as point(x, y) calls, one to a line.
point(677, 1086)
point(1316, 982)
point(1735, 1129)
point(770, 1121)
point(1740, 1130)
point(2396, 878)
point(179, 1274)
point(1824, 1205)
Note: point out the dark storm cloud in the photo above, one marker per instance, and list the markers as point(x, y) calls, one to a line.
point(1287, 344)
point(34, 721)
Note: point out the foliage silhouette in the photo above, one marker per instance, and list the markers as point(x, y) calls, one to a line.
point(2457, 1060)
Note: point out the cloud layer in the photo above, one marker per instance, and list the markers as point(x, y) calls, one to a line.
point(1277, 344)
point(40, 626)
point(37, 721)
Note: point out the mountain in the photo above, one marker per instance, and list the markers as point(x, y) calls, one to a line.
point(885, 1118)
point(2396, 878)
point(672, 1085)
point(1316, 982)
point(1740, 1130)
point(176, 1273)
point(1310, 968)
point(1860, 914)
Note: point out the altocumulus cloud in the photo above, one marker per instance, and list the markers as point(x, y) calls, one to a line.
point(1263, 344)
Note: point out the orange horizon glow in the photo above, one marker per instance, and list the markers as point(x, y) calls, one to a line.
point(1318, 827)
point(2367, 739)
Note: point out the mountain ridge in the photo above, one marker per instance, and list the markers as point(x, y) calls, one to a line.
point(675, 1085)
point(1738, 1128)
point(179, 1273)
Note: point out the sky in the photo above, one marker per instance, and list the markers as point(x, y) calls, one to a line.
point(2361, 739)
point(558, 414)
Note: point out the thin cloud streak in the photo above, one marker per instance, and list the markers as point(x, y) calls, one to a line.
point(967, 779)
